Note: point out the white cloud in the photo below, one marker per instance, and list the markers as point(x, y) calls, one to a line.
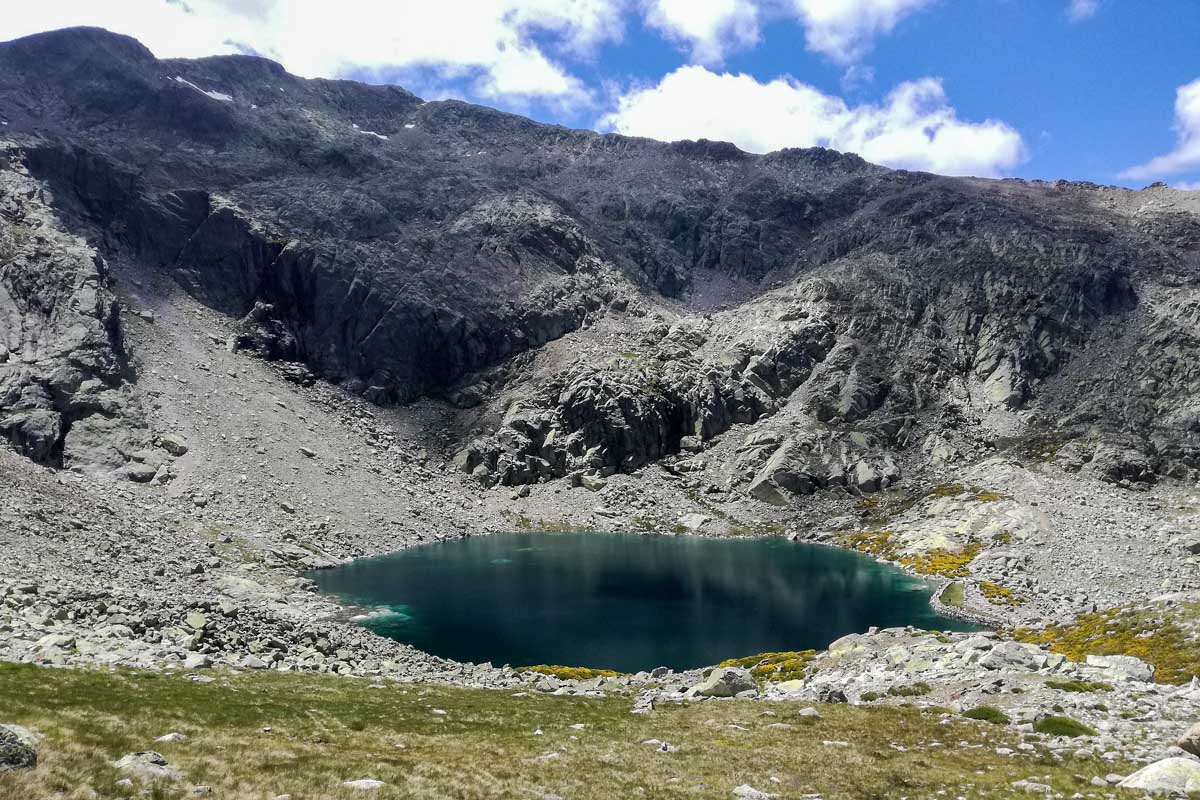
point(1187, 186)
point(487, 39)
point(845, 30)
point(1186, 155)
point(711, 28)
point(1080, 10)
point(915, 127)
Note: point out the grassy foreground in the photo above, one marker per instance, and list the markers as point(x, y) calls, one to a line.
point(261, 735)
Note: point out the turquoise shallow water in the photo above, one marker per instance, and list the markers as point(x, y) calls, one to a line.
point(625, 601)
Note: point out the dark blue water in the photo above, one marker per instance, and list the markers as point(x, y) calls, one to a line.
point(624, 601)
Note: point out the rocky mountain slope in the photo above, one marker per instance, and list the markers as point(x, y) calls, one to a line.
point(406, 249)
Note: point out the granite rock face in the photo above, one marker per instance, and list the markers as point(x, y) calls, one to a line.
point(64, 398)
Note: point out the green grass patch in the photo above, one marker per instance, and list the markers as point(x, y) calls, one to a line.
point(952, 595)
point(976, 493)
point(1080, 686)
point(988, 714)
point(571, 673)
point(264, 734)
point(1063, 726)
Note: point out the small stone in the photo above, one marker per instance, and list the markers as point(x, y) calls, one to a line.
point(593, 483)
point(725, 682)
point(15, 754)
point(1026, 785)
point(147, 765)
point(173, 443)
point(197, 661)
point(694, 522)
point(364, 784)
point(1123, 667)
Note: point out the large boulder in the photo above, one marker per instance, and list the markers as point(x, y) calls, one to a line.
point(147, 765)
point(1013, 655)
point(1113, 463)
point(1123, 668)
point(1179, 776)
point(1190, 741)
point(811, 460)
point(725, 682)
point(16, 752)
point(787, 473)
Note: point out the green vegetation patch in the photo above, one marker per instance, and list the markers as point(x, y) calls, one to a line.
point(999, 595)
point(988, 714)
point(941, 562)
point(571, 673)
point(976, 493)
point(875, 543)
point(521, 522)
point(1163, 636)
point(265, 734)
point(1063, 726)
point(1080, 686)
point(775, 667)
point(946, 563)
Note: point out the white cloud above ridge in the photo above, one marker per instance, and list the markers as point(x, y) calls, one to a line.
point(845, 30)
point(914, 128)
point(1186, 155)
point(709, 28)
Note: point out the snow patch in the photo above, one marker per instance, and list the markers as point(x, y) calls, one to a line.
point(368, 133)
point(411, 125)
point(224, 98)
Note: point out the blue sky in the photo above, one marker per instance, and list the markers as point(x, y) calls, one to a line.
point(1099, 90)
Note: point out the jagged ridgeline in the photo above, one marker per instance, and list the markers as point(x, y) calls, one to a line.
point(408, 249)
